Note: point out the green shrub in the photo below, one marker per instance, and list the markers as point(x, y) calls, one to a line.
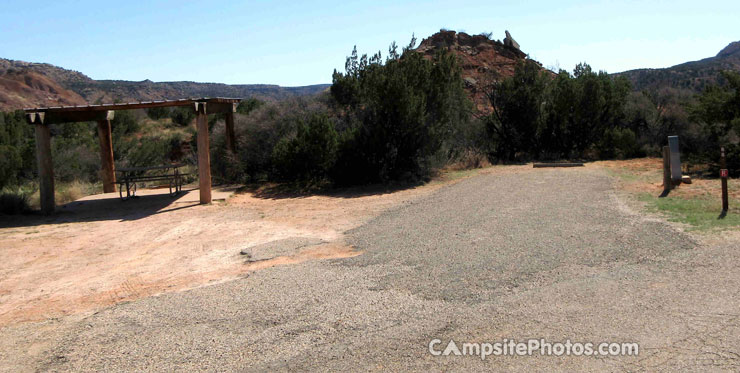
point(75, 151)
point(10, 165)
point(310, 154)
point(158, 113)
point(124, 123)
point(732, 159)
point(17, 149)
point(248, 105)
point(732, 154)
point(618, 143)
point(399, 114)
point(182, 115)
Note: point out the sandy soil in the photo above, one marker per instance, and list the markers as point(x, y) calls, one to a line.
point(101, 251)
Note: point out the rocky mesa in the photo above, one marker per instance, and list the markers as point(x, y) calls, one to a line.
point(482, 59)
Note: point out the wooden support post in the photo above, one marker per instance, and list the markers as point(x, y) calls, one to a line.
point(204, 156)
point(724, 174)
point(230, 137)
point(108, 169)
point(667, 182)
point(46, 168)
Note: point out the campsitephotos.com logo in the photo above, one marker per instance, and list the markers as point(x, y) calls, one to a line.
point(510, 347)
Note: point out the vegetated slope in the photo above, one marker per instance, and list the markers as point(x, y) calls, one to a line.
point(481, 59)
point(692, 76)
point(122, 90)
point(25, 84)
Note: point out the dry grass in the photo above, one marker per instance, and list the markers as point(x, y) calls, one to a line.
point(470, 160)
point(646, 175)
point(163, 128)
point(66, 192)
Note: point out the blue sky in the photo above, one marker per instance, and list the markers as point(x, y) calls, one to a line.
point(298, 43)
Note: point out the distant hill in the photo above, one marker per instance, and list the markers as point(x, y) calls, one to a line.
point(25, 84)
point(481, 58)
point(692, 76)
point(22, 88)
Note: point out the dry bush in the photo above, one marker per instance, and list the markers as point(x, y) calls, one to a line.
point(469, 159)
point(257, 134)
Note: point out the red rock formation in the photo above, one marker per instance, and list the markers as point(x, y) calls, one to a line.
point(23, 88)
point(482, 60)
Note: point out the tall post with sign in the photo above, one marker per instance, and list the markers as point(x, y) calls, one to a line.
point(724, 174)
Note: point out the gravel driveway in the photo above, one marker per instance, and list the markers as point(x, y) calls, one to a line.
point(549, 254)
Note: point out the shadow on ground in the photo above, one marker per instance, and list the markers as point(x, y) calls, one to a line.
point(105, 208)
point(284, 191)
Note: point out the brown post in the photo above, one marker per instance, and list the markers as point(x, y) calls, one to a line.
point(46, 168)
point(667, 182)
point(230, 137)
point(724, 176)
point(106, 155)
point(204, 156)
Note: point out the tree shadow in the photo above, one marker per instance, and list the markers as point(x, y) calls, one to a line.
point(722, 215)
point(99, 208)
point(285, 191)
point(665, 193)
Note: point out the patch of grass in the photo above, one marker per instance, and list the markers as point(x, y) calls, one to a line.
point(697, 205)
point(626, 175)
point(700, 213)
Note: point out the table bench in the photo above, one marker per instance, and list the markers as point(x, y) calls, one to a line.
point(132, 175)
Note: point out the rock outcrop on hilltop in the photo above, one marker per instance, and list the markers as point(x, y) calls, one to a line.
point(481, 58)
point(509, 41)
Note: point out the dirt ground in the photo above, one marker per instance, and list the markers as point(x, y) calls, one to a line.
point(646, 176)
point(100, 251)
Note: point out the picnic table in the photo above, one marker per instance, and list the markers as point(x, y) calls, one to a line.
point(130, 176)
